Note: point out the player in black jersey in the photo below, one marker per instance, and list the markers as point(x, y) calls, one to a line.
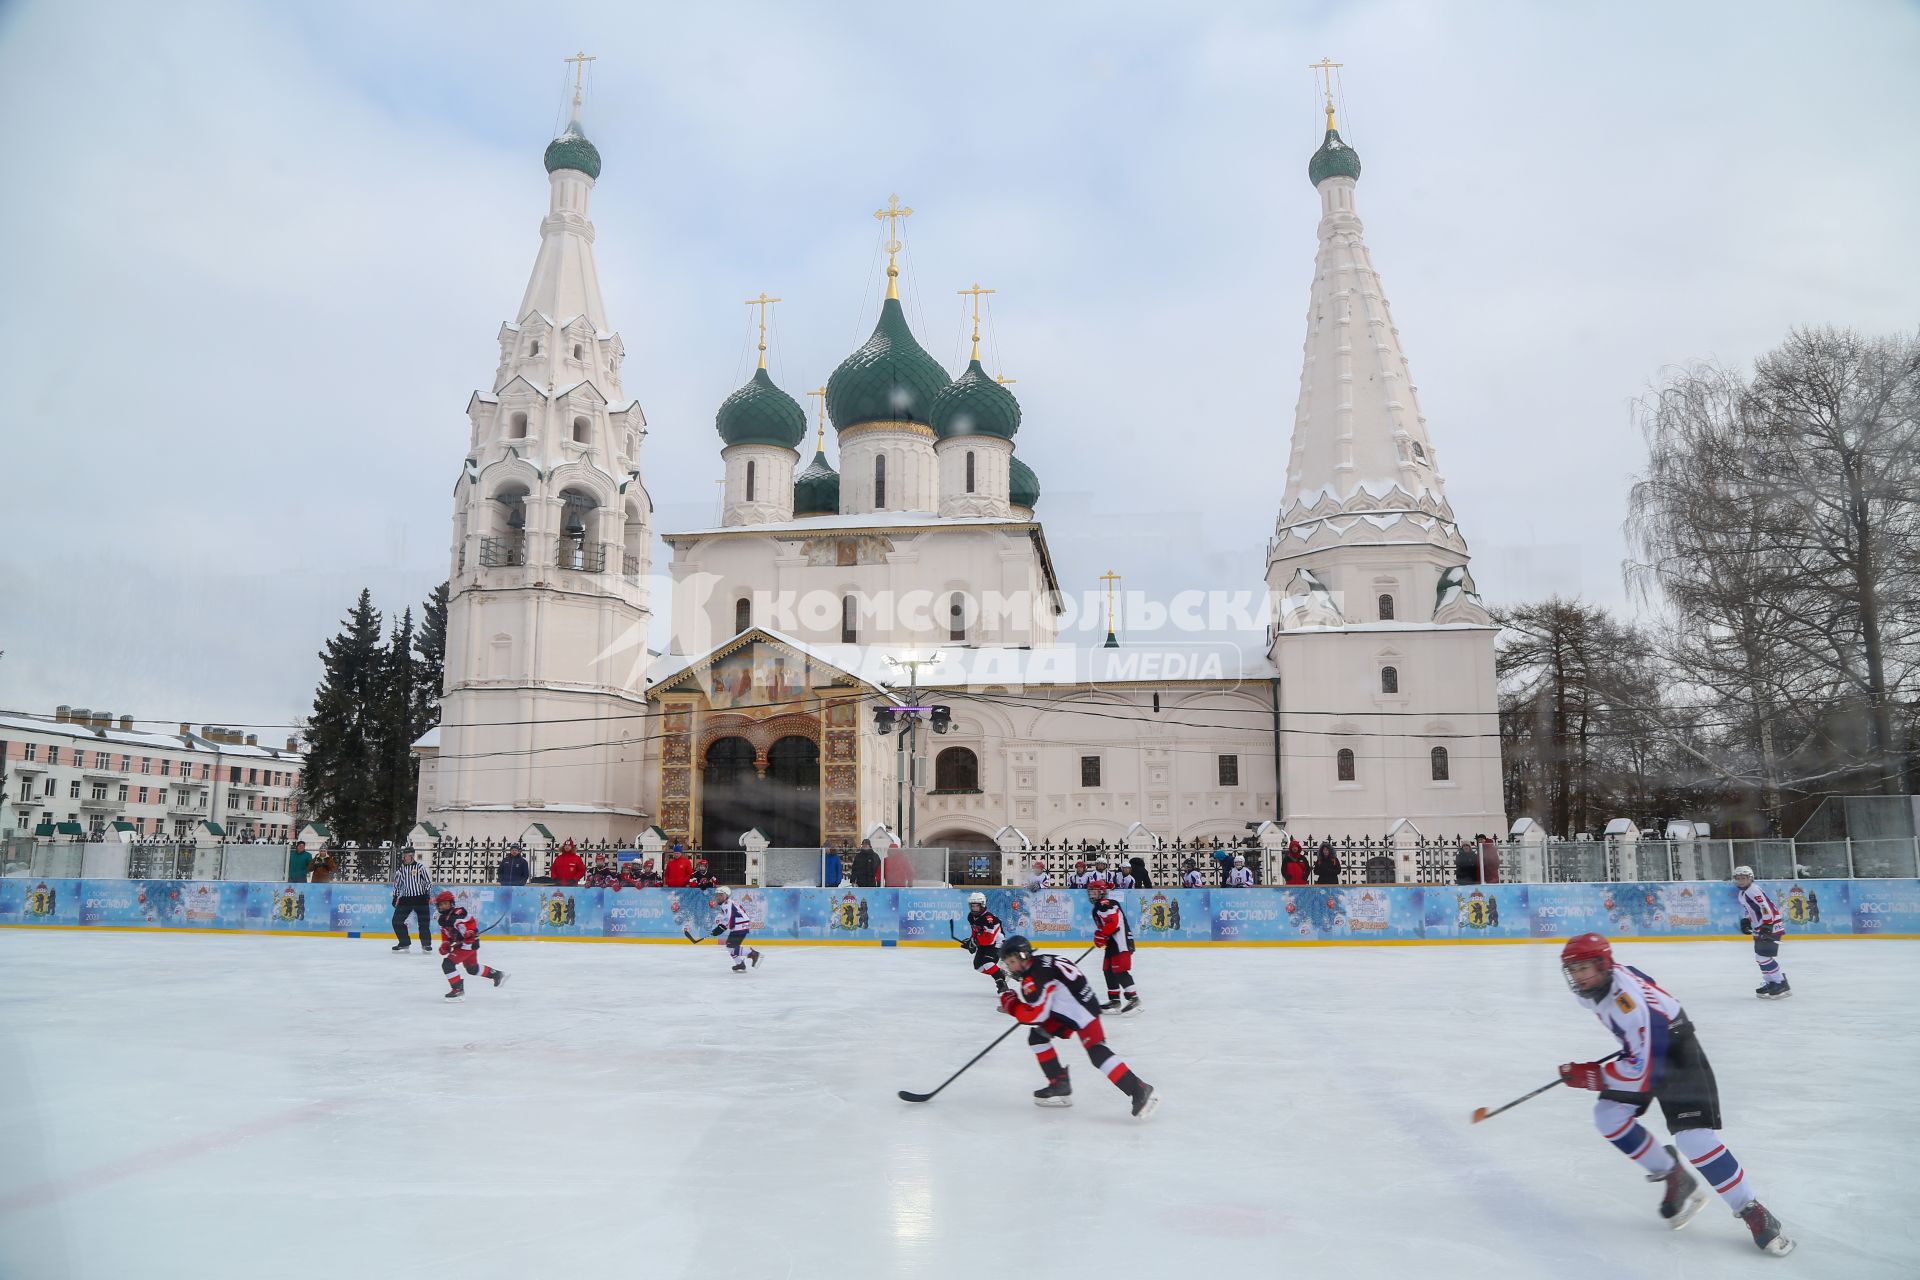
point(983, 939)
point(1055, 1000)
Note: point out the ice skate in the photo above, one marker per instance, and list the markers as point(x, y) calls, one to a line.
point(1764, 991)
point(1057, 1093)
point(1684, 1195)
point(457, 990)
point(498, 977)
point(1111, 1003)
point(739, 966)
point(1765, 1228)
point(403, 946)
point(754, 957)
point(1145, 1101)
point(1132, 1005)
point(1780, 990)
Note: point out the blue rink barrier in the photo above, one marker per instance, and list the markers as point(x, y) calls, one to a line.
point(1308, 914)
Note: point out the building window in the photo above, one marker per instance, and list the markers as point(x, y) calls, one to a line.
point(517, 427)
point(582, 431)
point(73, 789)
point(751, 477)
point(1418, 452)
point(49, 788)
point(1343, 765)
point(143, 795)
point(880, 483)
point(99, 791)
point(956, 769)
point(742, 615)
point(1386, 608)
point(123, 793)
point(53, 755)
point(1229, 771)
point(166, 768)
point(579, 352)
point(233, 773)
point(1089, 771)
point(253, 776)
point(126, 764)
point(33, 751)
point(1389, 679)
point(849, 621)
point(100, 760)
point(1439, 757)
point(969, 471)
point(536, 347)
point(146, 764)
point(957, 618)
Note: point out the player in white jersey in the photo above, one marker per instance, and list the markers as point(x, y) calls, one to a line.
point(1760, 916)
point(1190, 876)
point(732, 920)
point(1239, 877)
point(1660, 1060)
point(1039, 879)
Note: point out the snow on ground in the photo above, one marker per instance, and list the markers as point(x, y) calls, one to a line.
point(174, 1105)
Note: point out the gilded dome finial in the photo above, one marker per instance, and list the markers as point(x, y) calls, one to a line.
point(1326, 67)
point(762, 302)
point(820, 442)
point(975, 293)
point(892, 215)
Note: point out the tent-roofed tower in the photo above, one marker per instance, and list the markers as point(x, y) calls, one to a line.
point(1385, 652)
point(547, 615)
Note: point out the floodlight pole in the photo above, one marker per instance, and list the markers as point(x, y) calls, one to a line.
point(907, 790)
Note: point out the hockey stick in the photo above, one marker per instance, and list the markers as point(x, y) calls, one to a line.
point(1482, 1113)
point(907, 1095)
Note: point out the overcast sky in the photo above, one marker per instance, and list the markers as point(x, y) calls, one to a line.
point(254, 258)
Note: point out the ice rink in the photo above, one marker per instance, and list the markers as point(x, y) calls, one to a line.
point(277, 1106)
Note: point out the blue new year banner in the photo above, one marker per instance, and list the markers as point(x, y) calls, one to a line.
point(846, 915)
point(1883, 906)
point(1168, 915)
point(1474, 911)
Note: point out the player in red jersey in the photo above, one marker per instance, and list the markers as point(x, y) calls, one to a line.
point(1114, 932)
point(1055, 1000)
point(460, 944)
point(1660, 1061)
point(983, 939)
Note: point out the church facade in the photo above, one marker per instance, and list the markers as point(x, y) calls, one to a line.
point(875, 644)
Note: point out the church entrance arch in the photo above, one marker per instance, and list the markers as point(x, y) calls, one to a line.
point(793, 785)
point(778, 794)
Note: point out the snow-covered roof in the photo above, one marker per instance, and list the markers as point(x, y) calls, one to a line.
point(428, 741)
point(17, 723)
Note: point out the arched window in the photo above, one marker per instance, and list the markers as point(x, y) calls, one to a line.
point(582, 430)
point(579, 352)
point(742, 614)
point(1386, 607)
point(576, 549)
point(1439, 757)
point(517, 427)
point(969, 471)
point(1418, 452)
point(957, 617)
point(880, 483)
point(1389, 679)
point(536, 347)
point(849, 621)
point(956, 769)
point(750, 479)
point(1343, 765)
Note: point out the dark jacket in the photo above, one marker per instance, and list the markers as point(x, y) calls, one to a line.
point(1141, 880)
point(514, 869)
point(1466, 865)
point(866, 867)
point(1326, 866)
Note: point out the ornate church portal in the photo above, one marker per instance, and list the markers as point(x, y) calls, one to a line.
point(759, 736)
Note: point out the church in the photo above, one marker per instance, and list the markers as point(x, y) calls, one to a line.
point(867, 646)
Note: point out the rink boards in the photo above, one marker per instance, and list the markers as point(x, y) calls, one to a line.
point(888, 917)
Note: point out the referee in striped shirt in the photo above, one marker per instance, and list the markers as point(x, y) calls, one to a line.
point(412, 886)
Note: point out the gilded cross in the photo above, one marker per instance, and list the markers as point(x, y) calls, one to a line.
point(1110, 578)
point(1326, 67)
point(821, 393)
point(975, 293)
point(580, 61)
point(762, 302)
point(891, 215)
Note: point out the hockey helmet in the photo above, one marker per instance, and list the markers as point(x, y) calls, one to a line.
point(1588, 948)
point(1743, 871)
point(1016, 949)
point(443, 899)
point(1239, 860)
point(1096, 890)
point(976, 900)
point(1187, 865)
point(721, 893)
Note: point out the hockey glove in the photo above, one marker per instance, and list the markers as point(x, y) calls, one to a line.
point(717, 931)
point(1007, 1001)
point(969, 945)
point(444, 948)
point(1582, 1075)
point(1746, 926)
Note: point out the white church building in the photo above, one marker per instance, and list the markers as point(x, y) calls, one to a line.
point(916, 574)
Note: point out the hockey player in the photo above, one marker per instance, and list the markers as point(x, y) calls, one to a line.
point(731, 919)
point(1055, 1000)
point(1190, 876)
point(1239, 877)
point(1122, 878)
point(1039, 879)
point(1079, 877)
point(983, 939)
point(460, 944)
point(1760, 916)
point(1114, 932)
point(703, 877)
point(1660, 1061)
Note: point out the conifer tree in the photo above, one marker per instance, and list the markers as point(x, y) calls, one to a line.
point(430, 649)
point(342, 735)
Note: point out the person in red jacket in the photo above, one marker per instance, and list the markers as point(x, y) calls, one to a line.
point(1293, 867)
point(568, 868)
point(679, 868)
point(460, 944)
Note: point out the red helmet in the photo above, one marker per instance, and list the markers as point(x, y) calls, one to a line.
point(1585, 947)
point(1097, 889)
point(443, 899)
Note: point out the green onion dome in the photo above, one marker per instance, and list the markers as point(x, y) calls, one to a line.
point(571, 150)
point(1023, 487)
point(816, 492)
point(890, 379)
point(761, 413)
point(1334, 159)
point(975, 405)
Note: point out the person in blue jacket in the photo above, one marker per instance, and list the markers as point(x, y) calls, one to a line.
point(513, 867)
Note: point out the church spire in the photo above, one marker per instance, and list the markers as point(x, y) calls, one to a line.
point(565, 282)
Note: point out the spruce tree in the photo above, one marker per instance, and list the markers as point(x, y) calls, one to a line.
point(430, 650)
point(342, 737)
point(393, 711)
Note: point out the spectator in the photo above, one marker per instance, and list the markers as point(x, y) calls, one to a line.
point(1489, 861)
point(1380, 868)
point(513, 868)
point(1038, 878)
point(1326, 864)
point(1140, 876)
point(320, 869)
point(648, 878)
point(702, 877)
point(412, 887)
point(1080, 877)
point(897, 868)
point(1121, 878)
point(603, 875)
point(298, 862)
point(1239, 877)
point(679, 868)
point(568, 867)
point(866, 866)
point(831, 872)
point(1293, 867)
point(1466, 864)
point(1222, 861)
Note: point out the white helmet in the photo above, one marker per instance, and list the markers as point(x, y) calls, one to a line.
point(721, 892)
point(1239, 861)
point(1743, 871)
point(976, 899)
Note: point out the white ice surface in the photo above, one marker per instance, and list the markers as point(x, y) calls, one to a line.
point(226, 1106)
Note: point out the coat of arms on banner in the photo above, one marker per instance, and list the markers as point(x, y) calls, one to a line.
point(42, 899)
point(849, 913)
point(1478, 910)
point(1802, 906)
point(289, 904)
point(1161, 914)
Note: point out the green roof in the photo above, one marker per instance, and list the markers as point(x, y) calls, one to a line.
point(761, 413)
point(975, 405)
point(1334, 159)
point(1023, 487)
point(890, 379)
point(571, 150)
point(816, 492)
point(70, 829)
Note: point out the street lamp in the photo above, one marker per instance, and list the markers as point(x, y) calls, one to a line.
point(909, 718)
